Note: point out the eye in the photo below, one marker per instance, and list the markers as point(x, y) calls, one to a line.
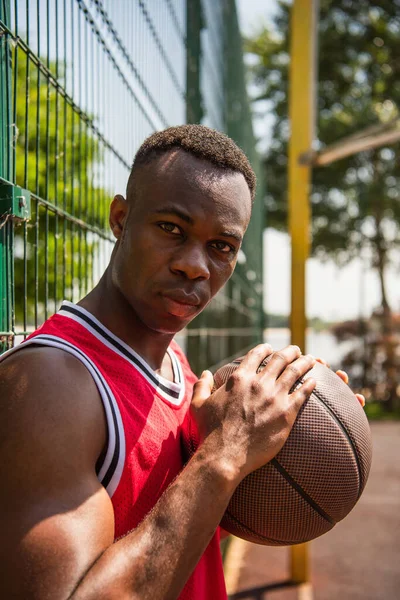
point(170, 228)
point(223, 247)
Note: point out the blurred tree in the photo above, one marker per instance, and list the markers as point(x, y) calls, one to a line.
point(355, 201)
point(57, 158)
point(366, 360)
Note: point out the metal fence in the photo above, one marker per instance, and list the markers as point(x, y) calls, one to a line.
point(82, 83)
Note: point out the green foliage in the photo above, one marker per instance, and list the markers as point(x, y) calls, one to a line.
point(282, 321)
point(277, 321)
point(58, 158)
point(355, 201)
point(375, 411)
point(318, 324)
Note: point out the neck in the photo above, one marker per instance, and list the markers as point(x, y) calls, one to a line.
point(106, 303)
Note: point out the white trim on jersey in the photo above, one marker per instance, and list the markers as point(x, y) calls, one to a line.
point(111, 470)
point(172, 391)
point(176, 367)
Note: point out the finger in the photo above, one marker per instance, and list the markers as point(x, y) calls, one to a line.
point(254, 358)
point(361, 399)
point(301, 394)
point(202, 388)
point(343, 375)
point(280, 360)
point(295, 370)
point(323, 362)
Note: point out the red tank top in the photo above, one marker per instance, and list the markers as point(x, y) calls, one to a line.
point(145, 415)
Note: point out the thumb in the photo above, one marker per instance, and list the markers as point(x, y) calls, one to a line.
point(203, 388)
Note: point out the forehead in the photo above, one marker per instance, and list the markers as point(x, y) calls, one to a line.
point(195, 184)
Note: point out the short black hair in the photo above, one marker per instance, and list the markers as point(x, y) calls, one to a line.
point(200, 141)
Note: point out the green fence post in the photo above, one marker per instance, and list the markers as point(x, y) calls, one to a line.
point(238, 119)
point(6, 225)
point(195, 348)
point(194, 25)
point(5, 91)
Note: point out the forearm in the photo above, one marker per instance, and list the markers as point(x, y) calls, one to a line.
point(156, 559)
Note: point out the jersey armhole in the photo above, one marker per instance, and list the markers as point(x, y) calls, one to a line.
point(110, 463)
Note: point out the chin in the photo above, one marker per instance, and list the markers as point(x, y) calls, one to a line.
point(166, 329)
point(167, 326)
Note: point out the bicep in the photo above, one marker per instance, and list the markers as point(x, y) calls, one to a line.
point(49, 546)
point(55, 517)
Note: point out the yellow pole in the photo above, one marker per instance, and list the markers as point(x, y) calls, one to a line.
point(301, 113)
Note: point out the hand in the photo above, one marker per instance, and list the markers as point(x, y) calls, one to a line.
point(250, 417)
point(343, 375)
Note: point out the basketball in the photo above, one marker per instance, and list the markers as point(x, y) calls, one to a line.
point(316, 478)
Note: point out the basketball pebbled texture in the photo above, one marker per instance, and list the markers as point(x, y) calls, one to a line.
point(317, 477)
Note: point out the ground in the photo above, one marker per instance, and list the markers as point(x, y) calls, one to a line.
point(358, 559)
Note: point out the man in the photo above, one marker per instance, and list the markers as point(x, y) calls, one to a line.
point(95, 501)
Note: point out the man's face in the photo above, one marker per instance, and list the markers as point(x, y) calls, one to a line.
point(181, 235)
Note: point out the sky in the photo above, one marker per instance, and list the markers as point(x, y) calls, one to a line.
point(332, 293)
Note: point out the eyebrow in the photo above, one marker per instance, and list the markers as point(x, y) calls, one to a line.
point(232, 234)
point(172, 210)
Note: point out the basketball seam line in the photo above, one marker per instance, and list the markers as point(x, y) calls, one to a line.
point(347, 435)
point(240, 526)
point(300, 491)
point(343, 428)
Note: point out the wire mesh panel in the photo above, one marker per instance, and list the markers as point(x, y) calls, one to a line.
point(82, 84)
point(234, 320)
point(81, 88)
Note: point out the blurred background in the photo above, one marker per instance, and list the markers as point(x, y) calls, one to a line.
point(353, 285)
point(83, 82)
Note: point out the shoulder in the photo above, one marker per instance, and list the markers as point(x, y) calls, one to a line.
point(46, 370)
point(49, 395)
point(51, 432)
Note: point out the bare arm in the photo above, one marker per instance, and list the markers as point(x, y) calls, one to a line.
point(58, 519)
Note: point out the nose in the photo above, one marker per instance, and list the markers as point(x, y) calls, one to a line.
point(191, 261)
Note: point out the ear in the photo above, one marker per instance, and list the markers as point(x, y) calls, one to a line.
point(118, 214)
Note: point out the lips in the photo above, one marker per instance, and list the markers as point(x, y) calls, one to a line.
point(183, 298)
point(180, 304)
